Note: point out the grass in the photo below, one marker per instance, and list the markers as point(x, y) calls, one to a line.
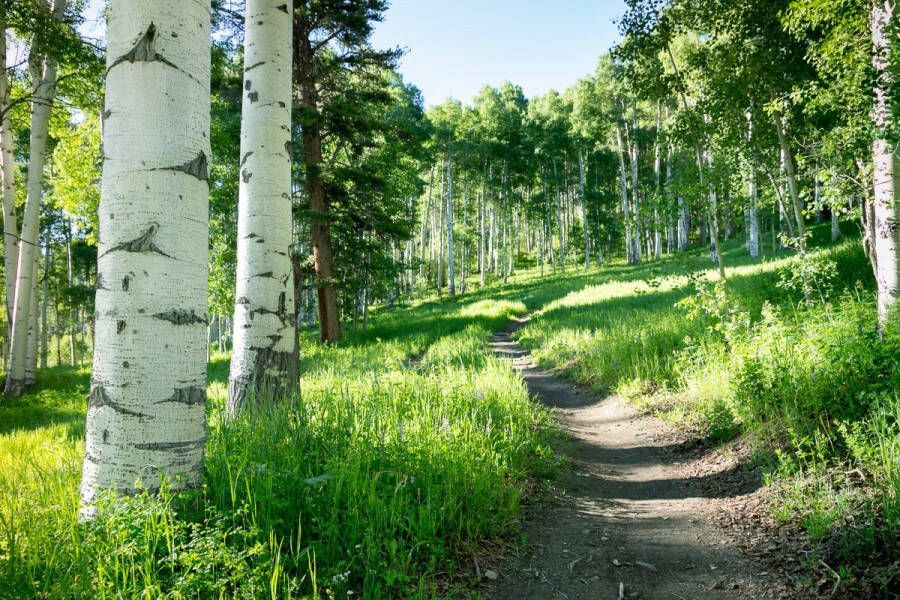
point(410, 446)
point(409, 450)
point(813, 385)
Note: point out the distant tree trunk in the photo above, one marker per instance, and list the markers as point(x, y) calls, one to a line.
point(146, 408)
point(8, 193)
point(636, 237)
point(264, 358)
point(43, 71)
point(450, 266)
point(45, 300)
point(441, 224)
point(320, 222)
point(885, 210)
point(835, 224)
point(70, 281)
point(793, 187)
point(32, 344)
point(584, 208)
point(623, 178)
point(482, 258)
point(424, 233)
point(753, 236)
point(657, 164)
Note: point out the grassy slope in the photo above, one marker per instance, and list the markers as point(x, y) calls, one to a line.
point(409, 450)
point(812, 386)
point(411, 445)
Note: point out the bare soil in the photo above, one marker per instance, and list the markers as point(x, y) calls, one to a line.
point(629, 519)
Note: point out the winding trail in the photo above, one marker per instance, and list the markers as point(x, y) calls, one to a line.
point(626, 523)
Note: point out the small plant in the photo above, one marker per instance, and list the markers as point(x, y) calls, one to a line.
point(813, 276)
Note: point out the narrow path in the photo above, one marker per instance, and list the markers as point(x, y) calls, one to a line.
point(626, 525)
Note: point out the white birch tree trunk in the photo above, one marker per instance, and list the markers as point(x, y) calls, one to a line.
point(753, 232)
point(44, 73)
point(45, 300)
point(8, 192)
point(32, 343)
point(264, 361)
point(482, 258)
point(623, 180)
point(886, 174)
point(584, 209)
point(146, 407)
point(451, 282)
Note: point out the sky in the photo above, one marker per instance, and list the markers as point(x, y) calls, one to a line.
point(456, 47)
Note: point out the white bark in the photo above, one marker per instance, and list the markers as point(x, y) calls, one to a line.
point(584, 210)
point(451, 282)
point(32, 339)
point(145, 417)
point(8, 192)
point(886, 175)
point(264, 360)
point(623, 180)
point(753, 234)
point(43, 71)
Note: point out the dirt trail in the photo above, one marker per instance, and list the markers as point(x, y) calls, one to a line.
point(628, 524)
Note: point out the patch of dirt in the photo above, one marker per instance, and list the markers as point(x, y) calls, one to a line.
point(631, 521)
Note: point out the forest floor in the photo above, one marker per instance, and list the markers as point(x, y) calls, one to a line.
point(628, 518)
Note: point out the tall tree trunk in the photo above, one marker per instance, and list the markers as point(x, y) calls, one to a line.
point(70, 281)
point(43, 70)
point(146, 409)
point(584, 208)
point(451, 282)
point(886, 175)
point(753, 236)
point(32, 344)
point(657, 168)
point(635, 198)
point(8, 192)
point(482, 258)
point(264, 359)
point(45, 301)
point(793, 187)
point(320, 222)
point(623, 178)
point(424, 232)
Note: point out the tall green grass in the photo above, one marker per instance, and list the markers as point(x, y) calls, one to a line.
point(406, 451)
point(814, 383)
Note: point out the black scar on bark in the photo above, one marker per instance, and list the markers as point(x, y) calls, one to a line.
point(144, 243)
point(197, 167)
point(246, 156)
point(260, 241)
point(121, 325)
point(253, 96)
point(253, 66)
point(101, 283)
point(107, 114)
point(247, 85)
point(242, 300)
point(190, 396)
point(283, 8)
point(178, 316)
point(172, 445)
point(144, 51)
point(246, 175)
point(98, 397)
point(251, 236)
point(273, 378)
point(268, 274)
point(126, 282)
point(289, 148)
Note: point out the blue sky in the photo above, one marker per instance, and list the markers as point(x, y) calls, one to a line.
point(455, 47)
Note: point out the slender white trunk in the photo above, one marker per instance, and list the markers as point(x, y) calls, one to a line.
point(45, 300)
point(43, 71)
point(264, 359)
point(584, 209)
point(450, 274)
point(482, 259)
point(146, 407)
point(835, 224)
point(635, 200)
point(623, 180)
point(8, 174)
point(753, 237)
point(32, 343)
point(886, 176)
point(657, 235)
point(793, 188)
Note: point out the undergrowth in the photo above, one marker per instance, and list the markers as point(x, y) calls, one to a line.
point(408, 448)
